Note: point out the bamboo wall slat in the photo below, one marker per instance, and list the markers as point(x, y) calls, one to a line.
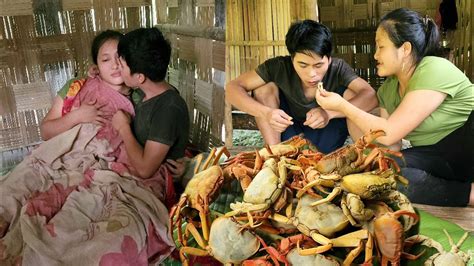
point(197, 64)
point(463, 44)
point(16, 7)
point(76, 4)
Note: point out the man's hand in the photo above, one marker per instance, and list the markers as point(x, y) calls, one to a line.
point(316, 118)
point(279, 120)
point(121, 120)
point(177, 168)
point(91, 113)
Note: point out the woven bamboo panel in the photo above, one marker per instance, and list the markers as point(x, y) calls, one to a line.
point(10, 132)
point(204, 55)
point(77, 4)
point(172, 3)
point(203, 97)
point(463, 44)
point(218, 56)
point(331, 13)
point(218, 107)
point(32, 96)
point(203, 3)
point(205, 12)
point(186, 88)
point(185, 48)
point(134, 3)
point(173, 77)
point(7, 102)
point(186, 12)
point(16, 7)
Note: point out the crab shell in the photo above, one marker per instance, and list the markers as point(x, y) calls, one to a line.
point(326, 218)
point(296, 259)
point(339, 160)
point(448, 259)
point(288, 148)
point(368, 185)
point(265, 187)
point(228, 243)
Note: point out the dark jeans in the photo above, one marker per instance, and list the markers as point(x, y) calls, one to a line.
point(326, 139)
point(441, 174)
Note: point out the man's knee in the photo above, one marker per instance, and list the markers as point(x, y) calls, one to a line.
point(267, 95)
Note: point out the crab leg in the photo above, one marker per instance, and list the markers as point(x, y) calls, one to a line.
point(312, 251)
point(353, 254)
point(336, 191)
point(350, 240)
point(209, 158)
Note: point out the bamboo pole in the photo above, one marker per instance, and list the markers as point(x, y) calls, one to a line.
point(200, 31)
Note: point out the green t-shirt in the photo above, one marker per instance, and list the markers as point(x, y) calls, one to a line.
point(281, 71)
point(163, 118)
point(438, 74)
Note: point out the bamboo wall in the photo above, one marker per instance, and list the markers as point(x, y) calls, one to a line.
point(196, 32)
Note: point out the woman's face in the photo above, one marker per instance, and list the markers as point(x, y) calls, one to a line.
point(388, 57)
point(108, 63)
point(310, 69)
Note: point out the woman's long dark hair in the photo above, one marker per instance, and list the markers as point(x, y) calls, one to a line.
point(404, 25)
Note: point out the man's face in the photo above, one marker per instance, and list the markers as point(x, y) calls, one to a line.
point(310, 68)
point(131, 80)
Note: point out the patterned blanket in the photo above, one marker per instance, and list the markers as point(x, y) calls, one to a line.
point(73, 201)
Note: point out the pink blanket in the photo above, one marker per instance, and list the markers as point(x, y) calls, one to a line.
point(73, 202)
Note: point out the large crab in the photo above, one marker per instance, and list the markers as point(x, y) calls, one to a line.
point(360, 213)
point(454, 257)
point(272, 177)
point(369, 185)
point(228, 242)
point(198, 194)
point(351, 159)
point(318, 222)
point(389, 236)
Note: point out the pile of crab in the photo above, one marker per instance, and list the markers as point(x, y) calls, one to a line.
point(299, 207)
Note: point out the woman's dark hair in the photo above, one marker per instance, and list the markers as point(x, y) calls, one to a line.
point(100, 39)
point(309, 36)
point(404, 25)
point(146, 51)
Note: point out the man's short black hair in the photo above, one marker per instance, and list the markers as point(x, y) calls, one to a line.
point(146, 51)
point(309, 36)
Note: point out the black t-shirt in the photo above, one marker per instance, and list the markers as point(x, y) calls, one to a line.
point(163, 118)
point(280, 70)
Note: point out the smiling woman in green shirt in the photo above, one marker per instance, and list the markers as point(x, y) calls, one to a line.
point(425, 99)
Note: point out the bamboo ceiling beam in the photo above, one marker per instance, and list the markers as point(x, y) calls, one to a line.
point(206, 32)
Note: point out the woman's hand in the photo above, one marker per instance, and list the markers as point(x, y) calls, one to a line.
point(91, 113)
point(329, 100)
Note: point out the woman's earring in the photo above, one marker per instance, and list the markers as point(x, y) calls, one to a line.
point(403, 67)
